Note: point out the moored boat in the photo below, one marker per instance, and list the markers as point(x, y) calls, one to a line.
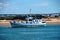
point(29, 23)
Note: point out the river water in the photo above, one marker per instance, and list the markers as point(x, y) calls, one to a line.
point(49, 32)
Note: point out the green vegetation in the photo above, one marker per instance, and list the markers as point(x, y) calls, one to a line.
point(7, 18)
point(22, 17)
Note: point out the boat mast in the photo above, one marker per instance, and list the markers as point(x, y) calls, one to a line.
point(29, 13)
point(30, 10)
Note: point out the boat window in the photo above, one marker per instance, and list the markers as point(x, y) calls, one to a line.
point(36, 20)
point(30, 19)
point(43, 22)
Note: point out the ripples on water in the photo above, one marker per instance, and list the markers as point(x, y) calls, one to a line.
point(49, 32)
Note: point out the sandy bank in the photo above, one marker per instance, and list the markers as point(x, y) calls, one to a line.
point(48, 21)
point(52, 20)
point(5, 23)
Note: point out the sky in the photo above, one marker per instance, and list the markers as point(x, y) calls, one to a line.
point(24, 6)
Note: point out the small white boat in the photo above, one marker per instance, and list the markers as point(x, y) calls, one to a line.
point(30, 22)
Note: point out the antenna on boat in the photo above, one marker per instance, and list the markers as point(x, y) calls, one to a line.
point(29, 13)
point(30, 10)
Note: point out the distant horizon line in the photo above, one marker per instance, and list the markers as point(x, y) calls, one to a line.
point(38, 13)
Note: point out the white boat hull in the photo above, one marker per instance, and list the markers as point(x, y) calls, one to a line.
point(25, 25)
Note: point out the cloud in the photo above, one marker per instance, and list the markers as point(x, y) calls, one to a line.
point(15, 7)
point(44, 4)
point(0, 7)
point(41, 4)
point(1, 4)
point(10, 7)
point(6, 4)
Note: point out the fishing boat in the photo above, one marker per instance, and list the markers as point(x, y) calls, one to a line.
point(28, 23)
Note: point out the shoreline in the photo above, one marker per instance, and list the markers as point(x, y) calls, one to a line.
point(48, 21)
